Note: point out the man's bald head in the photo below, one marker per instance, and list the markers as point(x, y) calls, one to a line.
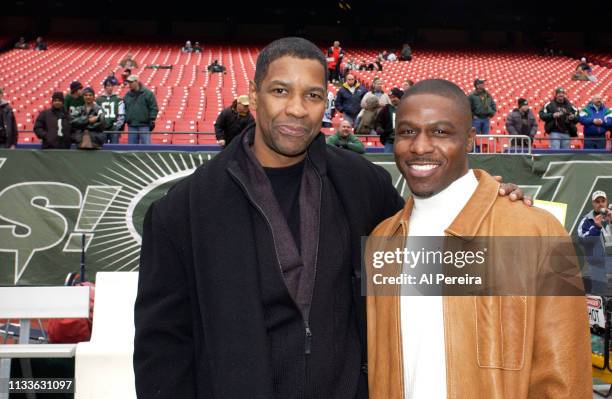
point(443, 88)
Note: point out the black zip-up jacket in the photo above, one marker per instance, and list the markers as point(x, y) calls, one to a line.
point(561, 124)
point(48, 129)
point(229, 124)
point(213, 316)
point(384, 124)
point(8, 130)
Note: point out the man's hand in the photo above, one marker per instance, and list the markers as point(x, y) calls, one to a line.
point(598, 219)
point(557, 114)
point(597, 121)
point(151, 125)
point(93, 119)
point(513, 192)
point(572, 117)
point(221, 143)
point(12, 147)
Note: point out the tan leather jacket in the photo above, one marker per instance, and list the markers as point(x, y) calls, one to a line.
point(497, 347)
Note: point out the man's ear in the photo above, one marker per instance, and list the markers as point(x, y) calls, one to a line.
point(469, 144)
point(252, 95)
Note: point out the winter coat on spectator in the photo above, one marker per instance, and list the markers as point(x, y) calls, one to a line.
point(80, 123)
point(52, 126)
point(562, 124)
point(482, 104)
point(591, 112)
point(8, 125)
point(519, 123)
point(349, 102)
point(140, 107)
point(367, 117)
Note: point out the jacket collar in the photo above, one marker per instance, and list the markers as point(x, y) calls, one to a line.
point(347, 87)
point(469, 220)
point(602, 107)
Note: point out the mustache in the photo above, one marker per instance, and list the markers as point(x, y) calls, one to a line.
point(293, 124)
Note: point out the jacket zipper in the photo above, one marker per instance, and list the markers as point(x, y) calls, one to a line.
point(307, 331)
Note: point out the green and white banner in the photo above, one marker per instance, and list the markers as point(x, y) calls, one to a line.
point(49, 200)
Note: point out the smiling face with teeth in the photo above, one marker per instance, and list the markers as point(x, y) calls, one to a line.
point(433, 137)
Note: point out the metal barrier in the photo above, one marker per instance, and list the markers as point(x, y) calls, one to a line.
point(593, 143)
point(501, 143)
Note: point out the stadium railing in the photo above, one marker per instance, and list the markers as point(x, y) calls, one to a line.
point(501, 143)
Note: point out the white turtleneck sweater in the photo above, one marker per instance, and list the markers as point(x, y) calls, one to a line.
point(422, 320)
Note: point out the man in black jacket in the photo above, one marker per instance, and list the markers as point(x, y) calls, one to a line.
point(560, 119)
point(52, 125)
point(521, 121)
point(273, 312)
point(385, 121)
point(88, 123)
point(8, 124)
point(233, 120)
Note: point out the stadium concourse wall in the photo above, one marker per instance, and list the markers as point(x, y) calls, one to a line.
point(51, 200)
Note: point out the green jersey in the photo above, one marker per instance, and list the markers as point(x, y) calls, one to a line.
point(114, 110)
point(71, 104)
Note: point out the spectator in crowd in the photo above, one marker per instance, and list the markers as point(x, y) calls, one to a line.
point(584, 65)
point(87, 123)
point(560, 119)
point(114, 113)
point(590, 232)
point(233, 120)
point(128, 62)
point(197, 48)
point(40, 45)
point(112, 79)
point(376, 91)
point(344, 138)
point(406, 53)
point(215, 67)
point(363, 66)
point(52, 125)
point(21, 44)
point(584, 71)
point(391, 57)
point(406, 85)
point(383, 56)
point(74, 99)
point(348, 99)
point(350, 66)
point(597, 119)
point(366, 120)
point(187, 48)
point(521, 121)
point(334, 58)
point(8, 124)
point(378, 63)
point(330, 110)
point(385, 121)
point(483, 107)
point(140, 112)
point(125, 75)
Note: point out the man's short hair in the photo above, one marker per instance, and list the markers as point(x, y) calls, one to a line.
point(442, 88)
point(287, 47)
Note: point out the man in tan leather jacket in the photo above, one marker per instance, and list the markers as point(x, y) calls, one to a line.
point(495, 347)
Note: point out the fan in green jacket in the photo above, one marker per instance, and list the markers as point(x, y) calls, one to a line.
point(344, 138)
